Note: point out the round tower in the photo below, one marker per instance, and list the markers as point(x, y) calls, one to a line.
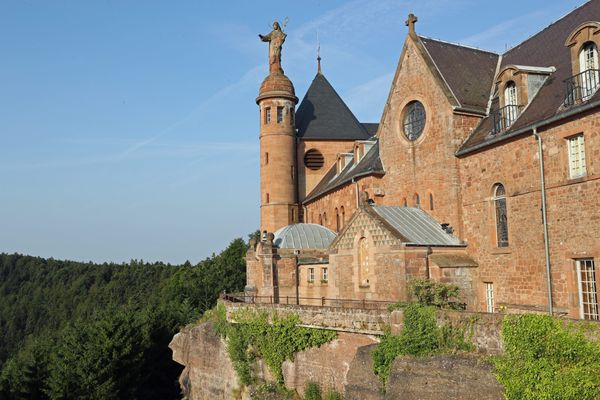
point(276, 101)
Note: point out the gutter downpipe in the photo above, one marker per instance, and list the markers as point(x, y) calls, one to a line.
point(544, 219)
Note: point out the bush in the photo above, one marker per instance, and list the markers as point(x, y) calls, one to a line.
point(432, 293)
point(333, 395)
point(546, 360)
point(420, 337)
point(312, 391)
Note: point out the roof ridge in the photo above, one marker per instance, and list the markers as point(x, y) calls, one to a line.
point(466, 46)
point(547, 27)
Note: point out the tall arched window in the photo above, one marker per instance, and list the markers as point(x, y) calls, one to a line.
point(501, 215)
point(324, 219)
point(267, 198)
point(588, 67)
point(363, 261)
point(417, 200)
point(511, 103)
point(337, 220)
point(431, 201)
point(343, 216)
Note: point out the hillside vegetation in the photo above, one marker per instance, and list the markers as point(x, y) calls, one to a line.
point(72, 330)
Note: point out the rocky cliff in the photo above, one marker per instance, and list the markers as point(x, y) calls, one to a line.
point(343, 364)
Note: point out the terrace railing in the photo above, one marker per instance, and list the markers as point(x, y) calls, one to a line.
point(307, 301)
point(504, 118)
point(581, 87)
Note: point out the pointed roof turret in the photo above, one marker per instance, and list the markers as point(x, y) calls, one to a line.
point(323, 115)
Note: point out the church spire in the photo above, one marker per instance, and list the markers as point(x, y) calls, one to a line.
point(318, 54)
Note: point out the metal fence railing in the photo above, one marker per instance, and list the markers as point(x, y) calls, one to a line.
point(307, 301)
point(581, 87)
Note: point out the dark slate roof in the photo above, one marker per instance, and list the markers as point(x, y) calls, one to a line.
point(323, 115)
point(371, 127)
point(370, 164)
point(545, 49)
point(415, 226)
point(468, 72)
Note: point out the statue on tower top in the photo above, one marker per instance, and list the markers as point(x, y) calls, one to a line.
point(275, 38)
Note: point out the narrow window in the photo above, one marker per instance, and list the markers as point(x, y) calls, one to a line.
point(267, 115)
point(343, 216)
point(576, 149)
point(489, 296)
point(267, 198)
point(293, 216)
point(324, 275)
point(417, 200)
point(320, 219)
point(324, 219)
point(501, 216)
point(337, 220)
point(510, 103)
point(292, 172)
point(588, 292)
point(589, 70)
point(279, 115)
point(404, 202)
point(311, 275)
point(266, 158)
point(431, 201)
point(291, 116)
point(363, 261)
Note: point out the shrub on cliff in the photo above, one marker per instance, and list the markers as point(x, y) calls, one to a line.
point(545, 360)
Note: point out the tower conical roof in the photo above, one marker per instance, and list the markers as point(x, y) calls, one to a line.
point(324, 115)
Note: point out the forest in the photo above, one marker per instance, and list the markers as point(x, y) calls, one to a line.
point(73, 330)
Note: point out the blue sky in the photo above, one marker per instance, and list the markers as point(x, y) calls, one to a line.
point(128, 129)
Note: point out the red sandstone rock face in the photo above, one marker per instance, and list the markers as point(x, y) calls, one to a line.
point(208, 372)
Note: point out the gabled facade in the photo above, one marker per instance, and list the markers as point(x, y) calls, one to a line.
point(500, 151)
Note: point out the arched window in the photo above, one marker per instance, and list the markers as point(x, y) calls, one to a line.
point(343, 216)
point(501, 215)
point(417, 200)
point(510, 103)
point(266, 158)
point(324, 219)
point(267, 198)
point(337, 220)
point(588, 68)
point(363, 261)
point(431, 201)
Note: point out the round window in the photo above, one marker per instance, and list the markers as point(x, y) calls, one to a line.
point(313, 159)
point(414, 120)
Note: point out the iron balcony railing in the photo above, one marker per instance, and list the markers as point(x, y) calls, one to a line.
point(581, 87)
point(307, 301)
point(504, 118)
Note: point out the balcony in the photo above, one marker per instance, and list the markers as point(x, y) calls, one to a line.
point(504, 118)
point(581, 87)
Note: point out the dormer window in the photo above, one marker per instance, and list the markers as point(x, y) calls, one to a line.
point(589, 70)
point(585, 82)
point(510, 102)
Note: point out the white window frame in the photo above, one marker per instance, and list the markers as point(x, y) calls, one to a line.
point(587, 287)
point(576, 153)
point(511, 99)
point(588, 66)
point(489, 296)
point(311, 275)
point(324, 275)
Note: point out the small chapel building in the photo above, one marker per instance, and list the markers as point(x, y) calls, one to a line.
point(483, 171)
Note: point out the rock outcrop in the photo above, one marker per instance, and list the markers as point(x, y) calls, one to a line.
point(344, 364)
point(208, 372)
